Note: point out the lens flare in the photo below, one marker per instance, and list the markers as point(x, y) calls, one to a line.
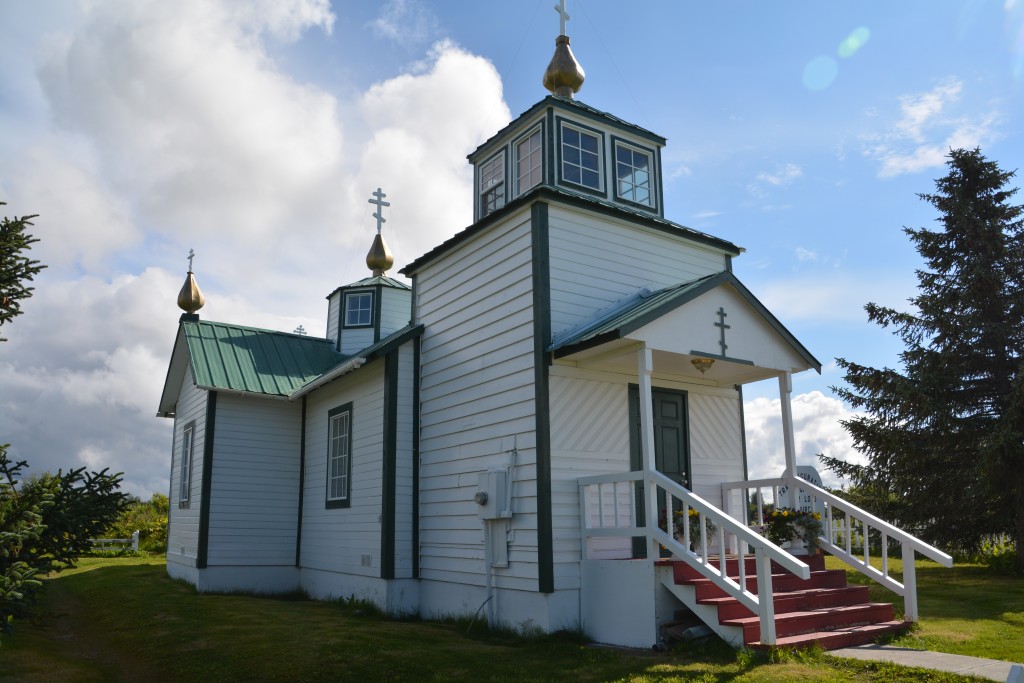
point(820, 72)
point(854, 41)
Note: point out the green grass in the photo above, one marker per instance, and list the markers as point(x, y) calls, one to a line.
point(122, 619)
point(967, 610)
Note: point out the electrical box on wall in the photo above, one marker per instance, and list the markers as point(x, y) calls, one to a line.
point(492, 494)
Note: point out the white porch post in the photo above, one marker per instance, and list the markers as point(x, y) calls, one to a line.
point(785, 389)
point(645, 364)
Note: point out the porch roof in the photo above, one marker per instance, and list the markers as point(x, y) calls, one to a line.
point(646, 307)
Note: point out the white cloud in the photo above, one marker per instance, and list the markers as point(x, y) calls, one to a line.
point(176, 128)
point(816, 427)
point(838, 297)
point(782, 176)
point(926, 130)
point(803, 254)
point(406, 22)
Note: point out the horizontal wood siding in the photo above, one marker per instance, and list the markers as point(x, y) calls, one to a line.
point(395, 310)
point(404, 517)
point(355, 339)
point(597, 261)
point(477, 400)
point(590, 436)
point(183, 523)
point(338, 539)
point(255, 487)
point(333, 316)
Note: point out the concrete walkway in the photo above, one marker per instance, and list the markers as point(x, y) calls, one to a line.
point(992, 669)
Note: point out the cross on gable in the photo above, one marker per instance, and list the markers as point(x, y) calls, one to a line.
point(379, 201)
point(721, 324)
point(563, 16)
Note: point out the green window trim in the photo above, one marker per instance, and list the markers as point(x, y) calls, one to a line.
point(186, 464)
point(338, 489)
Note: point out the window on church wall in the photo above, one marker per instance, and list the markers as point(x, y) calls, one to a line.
point(185, 475)
point(339, 456)
point(528, 162)
point(358, 309)
point(581, 157)
point(492, 185)
point(633, 175)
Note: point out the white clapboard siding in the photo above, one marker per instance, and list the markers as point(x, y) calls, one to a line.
point(404, 483)
point(477, 401)
point(716, 443)
point(183, 523)
point(597, 261)
point(333, 316)
point(395, 310)
point(254, 497)
point(355, 339)
point(338, 539)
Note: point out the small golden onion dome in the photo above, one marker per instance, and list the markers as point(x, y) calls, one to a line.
point(564, 75)
point(190, 299)
point(379, 258)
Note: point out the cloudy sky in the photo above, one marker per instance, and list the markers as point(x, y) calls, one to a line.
point(255, 131)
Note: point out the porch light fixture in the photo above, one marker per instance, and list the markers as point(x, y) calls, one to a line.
point(703, 364)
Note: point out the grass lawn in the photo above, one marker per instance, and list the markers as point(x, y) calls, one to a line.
point(966, 610)
point(124, 620)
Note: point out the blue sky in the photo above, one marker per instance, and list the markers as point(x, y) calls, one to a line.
point(253, 132)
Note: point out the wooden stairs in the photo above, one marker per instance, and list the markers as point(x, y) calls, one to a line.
point(822, 610)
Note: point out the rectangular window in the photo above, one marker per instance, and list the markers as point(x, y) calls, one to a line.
point(339, 456)
point(185, 479)
point(581, 157)
point(358, 309)
point(528, 162)
point(492, 185)
point(633, 175)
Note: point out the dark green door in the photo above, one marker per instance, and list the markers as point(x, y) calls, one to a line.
point(671, 444)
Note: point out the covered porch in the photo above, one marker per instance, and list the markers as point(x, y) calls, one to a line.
point(708, 333)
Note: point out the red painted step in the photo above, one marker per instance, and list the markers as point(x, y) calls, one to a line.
point(821, 610)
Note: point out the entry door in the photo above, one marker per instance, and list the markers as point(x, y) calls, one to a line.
point(671, 444)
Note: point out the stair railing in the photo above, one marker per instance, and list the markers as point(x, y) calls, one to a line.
point(608, 507)
point(842, 520)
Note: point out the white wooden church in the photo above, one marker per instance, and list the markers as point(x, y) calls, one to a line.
point(490, 439)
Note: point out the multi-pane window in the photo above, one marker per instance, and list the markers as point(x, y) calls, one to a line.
point(581, 159)
point(339, 455)
point(185, 478)
point(633, 175)
point(492, 185)
point(358, 309)
point(528, 162)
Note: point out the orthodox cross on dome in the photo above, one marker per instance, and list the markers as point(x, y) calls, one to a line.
point(379, 201)
point(563, 16)
point(191, 255)
point(721, 323)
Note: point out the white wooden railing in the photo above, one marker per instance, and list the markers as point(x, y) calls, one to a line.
point(841, 522)
point(608, 509)
point(120, 543)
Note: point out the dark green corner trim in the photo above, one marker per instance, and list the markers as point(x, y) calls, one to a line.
point(390, 473)
point(302, 485)
point(541, 363)
point(378, 308)
point(416, 458)
point(202, 552)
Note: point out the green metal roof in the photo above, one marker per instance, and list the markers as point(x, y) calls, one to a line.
point(248, 359)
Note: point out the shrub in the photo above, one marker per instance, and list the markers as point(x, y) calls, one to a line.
point(149, 518)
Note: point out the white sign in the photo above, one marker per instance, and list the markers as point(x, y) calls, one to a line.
point(803, 503)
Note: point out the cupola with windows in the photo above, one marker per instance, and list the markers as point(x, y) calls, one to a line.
point(563, 143)
point(364, 312)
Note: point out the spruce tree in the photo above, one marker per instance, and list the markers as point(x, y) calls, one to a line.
point(15, 268)
point(944, 435)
